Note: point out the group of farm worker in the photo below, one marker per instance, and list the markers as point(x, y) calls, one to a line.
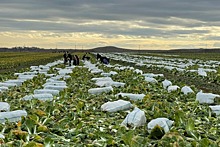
point(68, 58)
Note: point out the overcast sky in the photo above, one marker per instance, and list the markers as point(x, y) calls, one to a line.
point(144, 24)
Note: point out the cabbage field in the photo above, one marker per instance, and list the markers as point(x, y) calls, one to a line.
point(18, 60)
point(136, 100)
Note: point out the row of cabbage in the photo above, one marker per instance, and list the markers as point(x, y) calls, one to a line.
point(9, 60)
point(52, 87)
point(180, 64)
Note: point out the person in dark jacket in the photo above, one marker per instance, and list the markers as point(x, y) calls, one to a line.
point(104, 60)
point(70, 58)
point(65, 58)
point(75, 60)
point(98, 56)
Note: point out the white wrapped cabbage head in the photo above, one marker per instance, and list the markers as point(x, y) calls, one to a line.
point(109, 83)
point(12, 116)
point(150, 80)
point(4, 106)
point(202, 72)
point(186, 90)
point(166, 83)
point(46, 91)
point(43, 97)
point(54, 87)
point(135, 118)
point(215, 109)
point(164, 123)
point(207, 98)
point(131, 96)
point(173, 88)
point(116, 106)
point(100, 90)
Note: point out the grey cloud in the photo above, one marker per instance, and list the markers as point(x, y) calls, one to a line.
point(115, 10)
point(189, 32)
point(156, 14)
point(213, 38)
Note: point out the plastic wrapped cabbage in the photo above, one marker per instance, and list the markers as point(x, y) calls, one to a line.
point(166, 83)
point(164, 123)
point(135, 118)
point(132, 96)
point(100, 90)
point(207, 98)
point(116, 106)
point(186, 90)
point(12, 116)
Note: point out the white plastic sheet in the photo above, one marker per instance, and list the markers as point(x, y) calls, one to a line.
point(89, 65)
point(116, 106)
point(3, 84)
point(66, 77)
point(135, 118)
point(17, 82)
point(42, 72)
point(108, 65)
point(186, 90)
point(54, 87)
point(3, 88)
point(150, 80)
point(30, 73)
point(124, 68)
point(2, 136)
point(109, 74)
point(162, 122)
point(152, 75)
point(12, 116)
point(102, 79)
point(138, 71)
point(4, 106)
point(43, 97)
point(96, 71)
point(45, 91)
point(55, 83)
point(26, 73)
point(51, 80)
point(26, 77)
point(100, 90)
point(109, 83)
point(173, 88)
point(65, 71)
point(140, 64)
point(206, 97)
point(131, 96)
point(210, 70)
point(56, 78)
point(166, 83)
point(216, 109)
point(201, 72)
point(34, 67)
